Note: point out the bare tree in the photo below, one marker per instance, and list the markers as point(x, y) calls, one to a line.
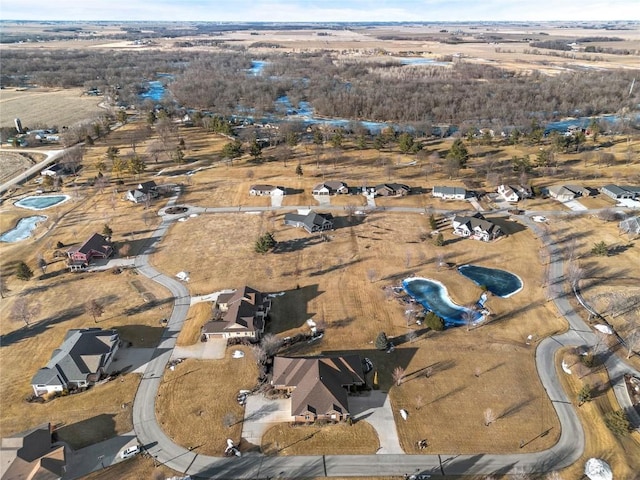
point(398, 375)
point(633, 341)
point(4, 289)
point(24, 311)
point(93, 308)
point(440, 260)
point(407, 258)
point(229, 420)
point(575, 273)
point(271, 344)
point(468, 317)
point(489, 417)
point(42, 263)
point(411, 336)
point(477, 371)
point(419, 402)
point(259, 354)
point(372, 275)
point(519, 473)
point(124, 250)
point(553, 476)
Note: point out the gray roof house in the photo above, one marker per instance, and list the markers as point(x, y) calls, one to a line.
point(449, 193)
point(318, 385)
point(270, 190)
point(311, 221)
point(476, 227)
point(31, 455)
point(392, 190)
point(84, 356)
point(564, 193)
point(619, 192)
point(332, 187)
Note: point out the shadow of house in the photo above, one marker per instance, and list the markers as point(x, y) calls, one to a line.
point(83, 357)
point(32, 455)
point(291, 309)
point(83, 433)
point(318, 385)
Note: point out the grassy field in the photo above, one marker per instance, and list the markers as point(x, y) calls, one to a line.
point(46, 108)
point(340, 282)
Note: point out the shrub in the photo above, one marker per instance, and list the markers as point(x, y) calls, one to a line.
point(439, 241)
point(264, 243)
point(434, 322)
point(617, 422)
point(600, 249)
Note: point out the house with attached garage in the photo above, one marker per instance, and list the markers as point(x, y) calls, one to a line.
point(143, 192)
point(32, 455)
point(97, 246)
point(311, 221)
point(476, 227)
point(449, 193)
point(267, 190)
point(565, 193)
point(512, 194)
point(330, 188)
point(242, 314)
point(392, 190)
point(621, 192)
point(318, 386)
point(82, 359)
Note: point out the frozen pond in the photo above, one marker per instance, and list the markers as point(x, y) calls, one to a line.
point(23, 229)
point(499, 282)
point(433, 296)
point(41, 202)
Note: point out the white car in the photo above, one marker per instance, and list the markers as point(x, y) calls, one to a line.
point(130, 452)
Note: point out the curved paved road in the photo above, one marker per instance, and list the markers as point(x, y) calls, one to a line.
point(568, 449)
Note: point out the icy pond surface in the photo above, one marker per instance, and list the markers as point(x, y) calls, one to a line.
point(41, 202)
point(499, 282)
point(23, 229)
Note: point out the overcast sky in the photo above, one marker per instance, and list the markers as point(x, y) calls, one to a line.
point(320, 10)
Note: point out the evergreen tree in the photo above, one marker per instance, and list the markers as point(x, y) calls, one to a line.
point(23, 272)
point(434, 322)
point(458, 154)
point(381, 342)
point(299, 170)
point(107, 232)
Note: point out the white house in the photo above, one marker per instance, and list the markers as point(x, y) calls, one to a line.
point(330, 188)
point(476, 227)
point(449, 193)
point(267, 190)
point(136, 196)
point(564, 193)
point(508, 193)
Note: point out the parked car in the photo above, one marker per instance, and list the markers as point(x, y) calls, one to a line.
point(130, 452)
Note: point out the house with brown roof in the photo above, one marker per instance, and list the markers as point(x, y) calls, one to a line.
point(243, 314)
point(318, 385)
point(31, 455)
point(97, 246)
point(392, 190)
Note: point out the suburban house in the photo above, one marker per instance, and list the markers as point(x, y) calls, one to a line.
point(512, 194)
point(391, 190)
point(269, 190)
point(318, 385)
point(96, 247)
point(143, 192)
point(449, 193)
point(620, 192)
point(31, 455)
point(311, 221)
point(243, 314)
point(476, 227)
point(83, 357)
point(564, 193)
point(330, 188)
point(55, 170)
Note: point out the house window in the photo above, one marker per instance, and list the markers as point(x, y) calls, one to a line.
point(307, 417)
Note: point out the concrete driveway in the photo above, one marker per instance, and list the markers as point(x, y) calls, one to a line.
point(212, 349)
point(375, 407)
point(260, 413)
point(132, 360)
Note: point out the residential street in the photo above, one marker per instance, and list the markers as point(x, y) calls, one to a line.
point(180, 458)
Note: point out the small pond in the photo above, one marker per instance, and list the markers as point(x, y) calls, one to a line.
point(41, 202)
point(23, 229)
point(433, 296)
point(499, 282)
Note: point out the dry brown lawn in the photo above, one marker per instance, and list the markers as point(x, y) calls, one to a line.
point(199, 314)
point(340, 439)
point(44, 107)
point(197, 406)
point(620, 452)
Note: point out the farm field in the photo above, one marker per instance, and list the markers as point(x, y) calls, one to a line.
point(46, 107)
